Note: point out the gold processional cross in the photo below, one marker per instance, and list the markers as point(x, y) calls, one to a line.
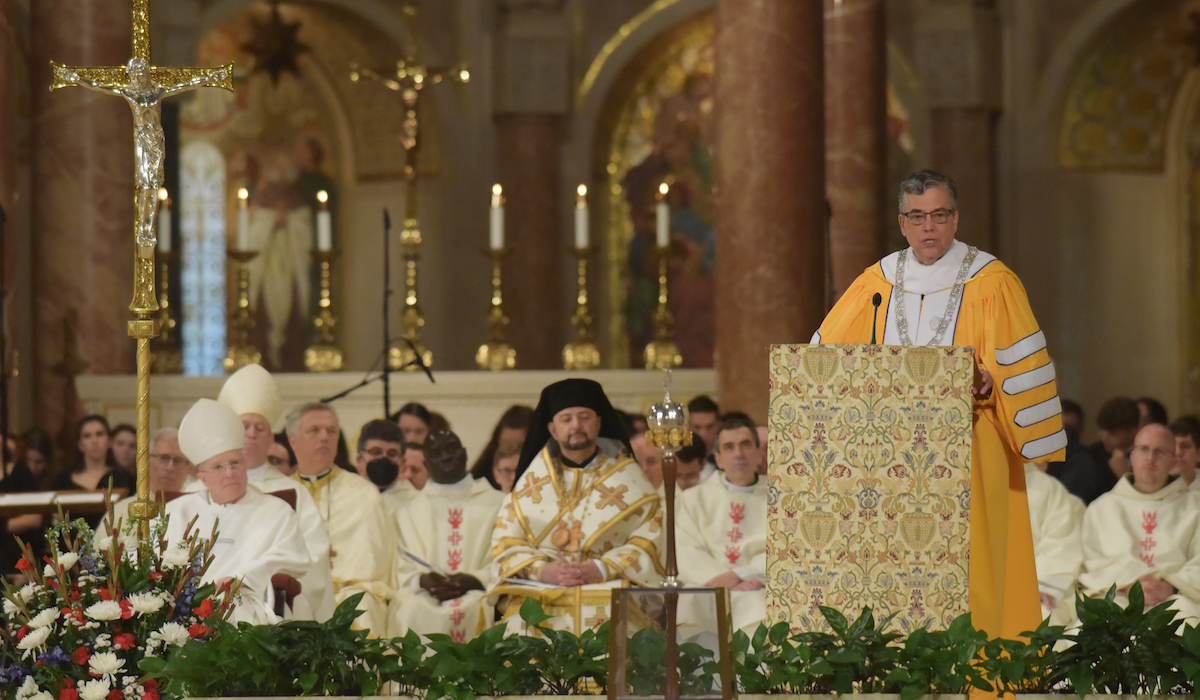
point(143, 86)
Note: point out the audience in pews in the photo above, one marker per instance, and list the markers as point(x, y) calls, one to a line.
point(511, 428)
point(93, 467)
point(124, 446)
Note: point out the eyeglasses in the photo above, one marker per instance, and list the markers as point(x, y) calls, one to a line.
point(394, 454)
point(165, 458)
point(916, 217)
point(1157, 453)
point(228, 468)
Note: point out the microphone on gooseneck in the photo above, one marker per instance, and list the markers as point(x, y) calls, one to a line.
point(875, 301)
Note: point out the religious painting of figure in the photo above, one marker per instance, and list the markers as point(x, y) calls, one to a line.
point(275, 134)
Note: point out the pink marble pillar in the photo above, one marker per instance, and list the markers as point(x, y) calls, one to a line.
point(83, 205)
point(964, 148)
point(855, 135)
point(529, 156)
point(770, 210)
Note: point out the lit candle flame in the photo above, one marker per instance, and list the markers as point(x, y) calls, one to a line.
point(663, 188)
point(162, 194)
point(322, 196)
point(243, 193)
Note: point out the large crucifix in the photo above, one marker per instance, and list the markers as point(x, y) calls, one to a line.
point(410, 78)
point(143, 86)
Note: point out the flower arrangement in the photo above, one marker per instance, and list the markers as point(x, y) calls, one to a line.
point(98, 605)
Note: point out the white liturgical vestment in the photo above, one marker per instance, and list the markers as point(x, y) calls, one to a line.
point(450, 527)
point(257, 536)
point(722, 527)
point(1056, 522)
point(1128, 534)
point(363, 538)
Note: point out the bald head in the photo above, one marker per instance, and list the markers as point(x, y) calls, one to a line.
point(1152, 458)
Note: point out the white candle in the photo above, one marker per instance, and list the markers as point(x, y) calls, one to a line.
point(324, 223)
point(663, 218)
point(164, 221)
point(496, 230)
point(581, 218)
point(243, 220)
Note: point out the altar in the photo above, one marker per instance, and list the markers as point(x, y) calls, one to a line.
point(471, 400)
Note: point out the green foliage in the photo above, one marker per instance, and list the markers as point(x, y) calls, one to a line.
point(942, 661)
point(645, 666)
point(856, 658)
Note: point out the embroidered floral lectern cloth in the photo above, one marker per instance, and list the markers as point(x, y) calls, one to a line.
point(869, 503)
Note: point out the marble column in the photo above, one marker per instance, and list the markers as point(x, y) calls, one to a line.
point(964, 147)
point(82, 208)
point(529, 155)
point(855, 136)
point(770, 209)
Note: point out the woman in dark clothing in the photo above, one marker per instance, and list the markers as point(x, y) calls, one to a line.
point(93, 468)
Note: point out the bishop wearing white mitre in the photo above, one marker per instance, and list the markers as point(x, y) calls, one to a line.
point(257, 535)
point(252, 394)
point(445, 558)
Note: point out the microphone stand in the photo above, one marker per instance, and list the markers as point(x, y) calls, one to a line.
point(387, 339)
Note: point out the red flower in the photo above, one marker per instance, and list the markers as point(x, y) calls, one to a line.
point(151, 688)
point(68, 693)
point(22, 632)
point(126, 609)
point(124, 641)
point(156, 576)
point(105, 594)
point(150, 684)
point(76, 595)
point(198, 630)
point(81, 655)
point(205, 608)
point(116, 694)
point(24, 565)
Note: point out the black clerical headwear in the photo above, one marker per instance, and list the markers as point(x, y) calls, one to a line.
point(559, 396)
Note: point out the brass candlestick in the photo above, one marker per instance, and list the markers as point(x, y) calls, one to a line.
point(324, 355)
point(496, 354)
point(662, 353)
point(581, 353)
point(241, 352)
point(166, 357)
point(412, 319)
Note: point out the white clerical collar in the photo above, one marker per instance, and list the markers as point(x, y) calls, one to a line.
point(463, 485)
point(937, 275)
point(737, 488)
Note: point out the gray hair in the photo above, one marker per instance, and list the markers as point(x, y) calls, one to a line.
point(163, 434)
point(293, 419)
point(918, 181)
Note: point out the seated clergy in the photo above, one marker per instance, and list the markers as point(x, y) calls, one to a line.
point(1056, 520)
point(448, 527)
point(1145, 531)
point(361, 533)
point(169, 470)
point(581, 515)
point(252, 394)
point(257, 535)
point(721, 526)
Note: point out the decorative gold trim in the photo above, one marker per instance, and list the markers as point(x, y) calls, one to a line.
point(610, 47)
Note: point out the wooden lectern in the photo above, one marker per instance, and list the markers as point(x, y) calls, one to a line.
point(870, 456)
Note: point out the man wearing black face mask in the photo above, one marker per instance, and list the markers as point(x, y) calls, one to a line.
point(380, 457)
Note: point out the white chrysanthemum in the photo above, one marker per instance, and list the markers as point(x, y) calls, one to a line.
point(33, 640)
point(10, 608)
point(105, 663)
point(44, 618)
point(42, 695)
point(104, 610)
point(67, 559)
point(102, 640)
point(94, 690)
point(48, 571)
point(28, 689)
point(173, 633)
point(102, 542)
point(28, 591)
point(144, 603)
point(175, 557)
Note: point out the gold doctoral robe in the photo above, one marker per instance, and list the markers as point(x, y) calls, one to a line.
point(1056, 521)
point(1128, 534)
point(1020, 421)
point(449, 526)
point(606, 512)
point(722, 527)
point(363, 539)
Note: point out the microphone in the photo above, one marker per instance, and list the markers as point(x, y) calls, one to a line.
point(875, 301)
point(418, 360)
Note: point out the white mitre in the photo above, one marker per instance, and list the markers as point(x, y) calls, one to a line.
point(252, 389)
point(210, 428)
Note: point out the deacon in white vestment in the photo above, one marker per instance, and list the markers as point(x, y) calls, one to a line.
point(448, 527)
point(258, 536)
point(251, 393)
point(721, 528)
point(581, 517)
point(1146, 530)
point(1056, 522)
point(361, 534)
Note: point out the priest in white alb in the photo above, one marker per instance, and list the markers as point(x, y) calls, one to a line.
point(252, 394)
point(581, 517)
point(445, 535)
point(361, 532)
point(258, 535)
point(1056, 522)
point(1146, 530)
point(721, 528)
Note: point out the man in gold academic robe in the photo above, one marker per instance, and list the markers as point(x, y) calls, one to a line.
point(581, 518)
point(940, 291)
